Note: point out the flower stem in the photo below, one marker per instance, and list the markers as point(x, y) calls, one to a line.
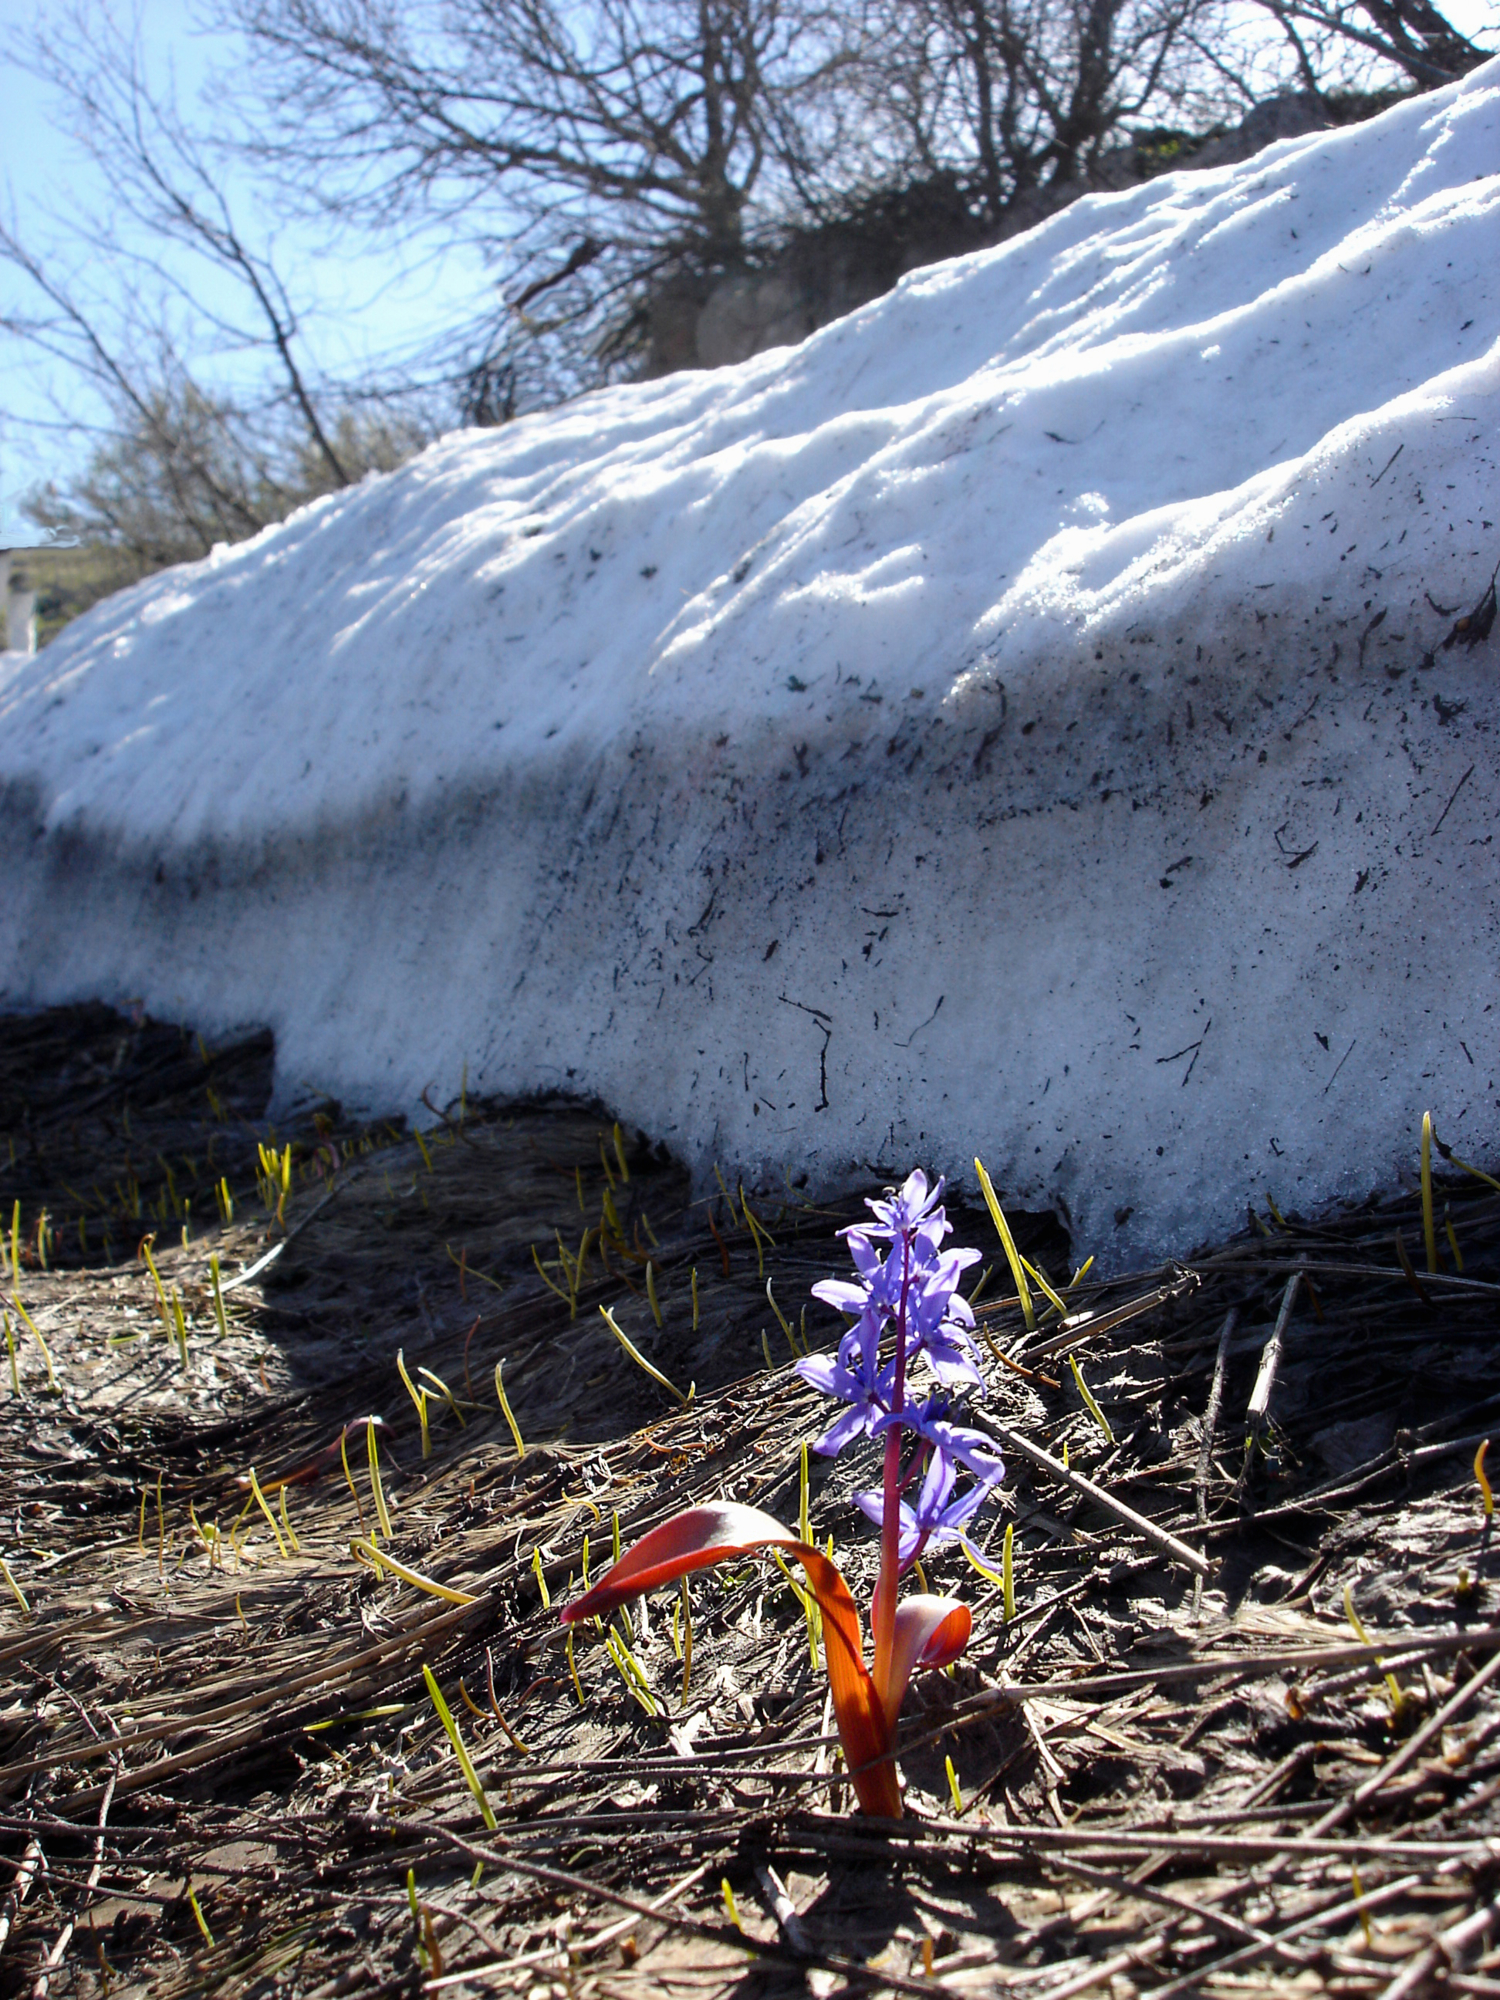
point(883, 1609)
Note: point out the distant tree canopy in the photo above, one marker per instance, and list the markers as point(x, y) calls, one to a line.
point(620, 164)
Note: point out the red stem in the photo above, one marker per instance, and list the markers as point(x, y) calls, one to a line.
point(883, 1609)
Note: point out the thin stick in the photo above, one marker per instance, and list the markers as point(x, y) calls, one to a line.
point(1444, 1948)
point(1270, 1359)
point(1411, 1749)
point(1168, 1544)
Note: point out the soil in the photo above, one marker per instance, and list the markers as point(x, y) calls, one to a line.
point(1242, 1736)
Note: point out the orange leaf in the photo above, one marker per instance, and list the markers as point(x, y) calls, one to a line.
point(930, 1632)
point(702, 1536)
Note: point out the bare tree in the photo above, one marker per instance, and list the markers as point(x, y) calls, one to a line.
point(1413, 37)
point(593, 147)
point(136, 304)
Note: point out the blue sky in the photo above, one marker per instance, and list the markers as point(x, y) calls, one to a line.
point(367, 306)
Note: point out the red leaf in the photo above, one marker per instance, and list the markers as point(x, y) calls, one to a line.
point(703, 1536)
point(930, 1632)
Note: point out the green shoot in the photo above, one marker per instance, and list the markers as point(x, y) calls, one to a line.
point(765, 1348)
point(728, 1198)
point(1053, 1299)
point(1008, 1574)
point(375, 1486)
point(260, 1499)
point(419, 1397)
point(641, 1362)
point(1484, 1485)
point(15, 1588)
point(614, 1526)
point(953, 1792)
point(1356, 1624)
point(1008, 1243)
point(219, 1313)
point(791, 1339)
point(445, 1716)
point(619, 1137)
point(541, 1580)
point(731, 1908)
point(567, 1298)
point(422, 1148)
point(515, 1429)
point(756, 1235)
point(208, 1936)
point(1093, 1408)
point(1429, 1232)
point(147, 1245)
point(651, 1294)
point(687, 1640)
point(630, 1670)
point(377, 1558)
point(286, 1522)
point(1448, 1231)
point(36, 1334)
point(10, 1343)
point(572, 1669)
point(179, 1326)
point(446, 1393)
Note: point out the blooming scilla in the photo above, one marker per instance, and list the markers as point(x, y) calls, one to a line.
point(906, 1358)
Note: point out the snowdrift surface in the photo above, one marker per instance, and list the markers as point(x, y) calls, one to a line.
point(1014, 720)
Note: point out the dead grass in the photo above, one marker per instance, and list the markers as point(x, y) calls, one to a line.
point(1167, 1784)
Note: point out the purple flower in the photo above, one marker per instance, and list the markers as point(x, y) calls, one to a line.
point(971, 1449)
point(855, 1377)
point(936, 1518)
point(907, 1210)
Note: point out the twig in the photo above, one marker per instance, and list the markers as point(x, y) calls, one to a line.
point(58, 1952)
point(1168, 1544)
point(1270, 1360)
point(31, 1864)
point(1444, 1948)
point(1409, 1752)
point(584, 1885)
point(1210, 1424)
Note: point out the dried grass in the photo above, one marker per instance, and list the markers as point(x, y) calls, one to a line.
point(218, 1763)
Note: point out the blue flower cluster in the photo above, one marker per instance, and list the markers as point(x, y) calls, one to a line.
point(912, 1291)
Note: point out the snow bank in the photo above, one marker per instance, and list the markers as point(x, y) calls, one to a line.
point(1014, 721)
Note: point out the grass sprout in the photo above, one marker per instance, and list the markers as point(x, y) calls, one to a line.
point(1008, 1574)
point(1008, 1244)
point(15, 1589)
point(630, 1670)
point(651, 1294)
point(687, 1641)
point(953, 1792)
point(1485, 1494)
point(1429, 1230)
point(1087, 1394)
point(260, 1500)
point(515, 1428)
point(218, 1292)
point(419, 1398)
point(198, 1917)
point(465, 1764)
point(641, 1362)
point(367, 1552)
point(1357, 1626)
point(376, 1488)
point(541, 1580)
point(446, 1393)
